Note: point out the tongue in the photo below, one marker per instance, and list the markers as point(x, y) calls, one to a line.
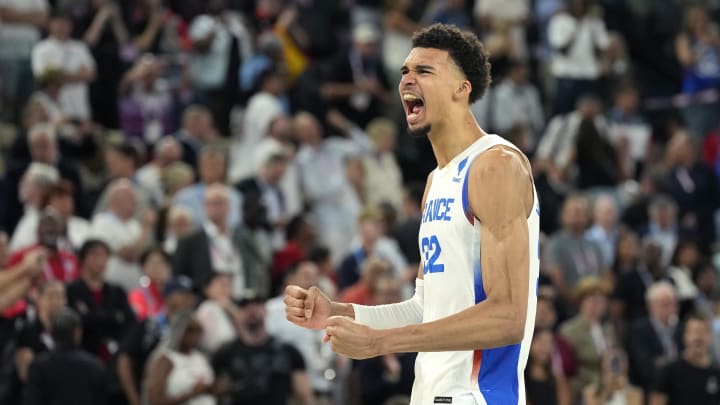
point(416, 109)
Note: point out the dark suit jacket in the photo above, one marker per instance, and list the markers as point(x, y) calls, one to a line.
point(643, 346)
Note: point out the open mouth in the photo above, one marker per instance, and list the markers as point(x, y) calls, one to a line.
point(414, 106)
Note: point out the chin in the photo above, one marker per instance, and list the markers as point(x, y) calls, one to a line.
point(419, 131)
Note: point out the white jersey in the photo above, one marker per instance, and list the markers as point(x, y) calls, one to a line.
point(450, 246)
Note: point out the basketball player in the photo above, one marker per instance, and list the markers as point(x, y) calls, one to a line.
point(472, 315)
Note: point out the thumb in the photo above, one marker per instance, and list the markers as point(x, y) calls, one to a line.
point(310, 301)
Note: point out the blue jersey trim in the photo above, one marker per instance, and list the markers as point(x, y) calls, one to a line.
point(498, 377)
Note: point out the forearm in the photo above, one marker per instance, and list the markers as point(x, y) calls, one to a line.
point(338, 90)
point(85, 75)
point(482, 326)
point(10, 294)
point(36, 18)
point(127, 379)
point(92, 35)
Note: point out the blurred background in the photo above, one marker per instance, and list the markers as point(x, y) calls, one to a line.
point(169, 166)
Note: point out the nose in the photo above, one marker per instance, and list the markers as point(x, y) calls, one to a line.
point(408, 79)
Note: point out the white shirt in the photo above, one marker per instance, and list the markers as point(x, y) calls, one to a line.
point(318, 357)
point(149, 177)
point(69, 56)
point(218, 327)
point(383, 180)
point(225, 257)
point(585, 36)
point(118, 233)
point(16, 39)
point(187, 371)
point(78, 230)
point(208, 69)
point(262, 108)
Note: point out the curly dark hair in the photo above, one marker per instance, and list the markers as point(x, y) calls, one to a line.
point(464, 48)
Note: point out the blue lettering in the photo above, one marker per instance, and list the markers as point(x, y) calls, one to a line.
point(448, 205)
point(438, 210)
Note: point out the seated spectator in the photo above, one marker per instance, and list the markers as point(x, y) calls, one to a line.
point(126, 236)
point(563, 351)
point(544, 382)
point(588, 332)
point(122, 160)
point(613, 385)
point(73, 57)
point(197, 131)
point(104, 307)
point(66, 375)
point(371, 229)
point(34, 185)
point(245, 360)
point(142, 338)
point(213, 248)
point(361, 293)
point(179, 224)
point(300, 236)
point(596, 159)
point(383, 178)
point(628, 126)
point(685, 261)
point(320, 255)
point(178, 372)
point(692, 378)
point(212, 166)
point(571, 256)
point(166, 152)
point(407, 230)
point(654, 341)
point(604, 229)
point(147, 300)
point(254, 243)
point(218, 314)
point(663, 226)
point(627, 253)
point(319, 359)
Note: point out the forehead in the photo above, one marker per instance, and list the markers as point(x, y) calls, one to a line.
point(428, 56)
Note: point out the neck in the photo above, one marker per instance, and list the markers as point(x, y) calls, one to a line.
point(253, 339)
point(454, 135)
point(220, 226)
point(697, 358)
point(94, 282)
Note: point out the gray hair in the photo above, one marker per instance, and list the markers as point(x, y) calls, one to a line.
point(41, 129)
point(657, 289)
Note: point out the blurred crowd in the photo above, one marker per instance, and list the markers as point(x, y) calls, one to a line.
point(169, 166)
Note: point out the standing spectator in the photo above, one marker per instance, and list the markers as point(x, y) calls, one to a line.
point(321, 164)
point(571, 255)
point(22, 22)
point(693, 378)
point(653, 341)
point(60, 51)
point(147, 300)
point(126, 236)
point(66, 375)
point(357, 85)
point(577, 36)
point(662, 226)
point(544, 382)
point(697, 48)
point(178, 372)
point(383, 178)
point(604, 230)
point(211, 248)
point(141, 340)
point(245, 361)
point(218, 314)
point(254, 243)
point(589, 333)
point(104, 307)
point(628, 128)
point(212, 168)
point(35, 182)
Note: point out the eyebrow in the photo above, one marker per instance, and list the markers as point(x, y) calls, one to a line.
point(418, 67)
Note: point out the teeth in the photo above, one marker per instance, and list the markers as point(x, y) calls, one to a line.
point(409, 97)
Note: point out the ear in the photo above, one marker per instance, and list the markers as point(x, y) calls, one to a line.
point(463, 90)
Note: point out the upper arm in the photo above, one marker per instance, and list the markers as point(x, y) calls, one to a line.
point(501, 196)
point(157, 376)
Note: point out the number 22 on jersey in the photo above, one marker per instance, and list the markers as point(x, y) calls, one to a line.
point(430, 247)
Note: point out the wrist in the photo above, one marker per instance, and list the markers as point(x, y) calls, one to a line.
point(342, 309)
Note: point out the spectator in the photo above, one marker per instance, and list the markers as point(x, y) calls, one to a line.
point(179, 225)
point(319, 359)
point(20, 31)
point(301, 236)
point(514, 101)
point(321, 165)
point(197, 131)
point(36, 181)
point(629, 129)
point(66, 375)
point(589, 333)
point(604, 229)
point(544, 383)
point(686, 260)
point(398, 28)
point(653, 341)
point(694, 186)
point(142, 338)
point(406, 232)
point(218, 314)
point(147, 101)
point(571, 255)
point(577, 36)
point(450, 12)
point(178, 372)
point(563, 353)
point(596, 160)
point(104, 307)
point(692, 378)
point(17, 280)
point(370, 226)
point(362, 291)
point(705, 278)
point(147, 300)
point(126, 236)
point(383, 178)
point(245, 361)
point(254, 243)
point(60, 51)
point(166, 152)
point(510, 19)
point(613, 384)
point(357, 85)
point(122, 160)
point(212, 168)
point(663, 226)
point(697, 49)
point(320, 255)
point(626, 253)
point(212, 248)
